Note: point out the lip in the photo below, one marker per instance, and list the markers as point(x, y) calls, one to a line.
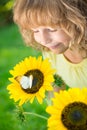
point(55, 46)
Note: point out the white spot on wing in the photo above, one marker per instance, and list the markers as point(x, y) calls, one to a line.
point(26, 82)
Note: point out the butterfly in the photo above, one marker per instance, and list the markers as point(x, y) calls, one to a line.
point(25, 81)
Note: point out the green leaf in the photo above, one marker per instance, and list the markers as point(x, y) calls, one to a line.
point(58, 81)
point(7, 6)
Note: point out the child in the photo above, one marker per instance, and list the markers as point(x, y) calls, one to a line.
point(58, 28)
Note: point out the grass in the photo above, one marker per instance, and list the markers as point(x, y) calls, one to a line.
point(13, 50)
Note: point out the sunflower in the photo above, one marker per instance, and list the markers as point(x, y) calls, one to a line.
point(69, 110)
point(31, 78)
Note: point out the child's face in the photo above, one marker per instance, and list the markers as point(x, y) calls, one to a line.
point(55, 39)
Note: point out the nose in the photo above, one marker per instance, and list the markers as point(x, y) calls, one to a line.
point(45, 38)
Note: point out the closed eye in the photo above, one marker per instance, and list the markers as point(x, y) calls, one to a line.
point(35, 31)
point(54, 30)
point(49, 30)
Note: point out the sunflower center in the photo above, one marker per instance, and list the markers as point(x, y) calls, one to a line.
point(37, 82)
point(74, 116)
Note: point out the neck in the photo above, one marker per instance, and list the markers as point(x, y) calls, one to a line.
point(74, 55)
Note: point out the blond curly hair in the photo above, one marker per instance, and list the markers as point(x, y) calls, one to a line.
point(70, 15)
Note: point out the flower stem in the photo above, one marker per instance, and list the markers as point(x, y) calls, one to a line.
point(30, 113)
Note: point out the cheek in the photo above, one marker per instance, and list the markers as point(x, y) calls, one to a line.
point(62, 37)
point(37, 38)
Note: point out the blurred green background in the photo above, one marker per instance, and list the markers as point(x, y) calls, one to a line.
point(12, 51)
